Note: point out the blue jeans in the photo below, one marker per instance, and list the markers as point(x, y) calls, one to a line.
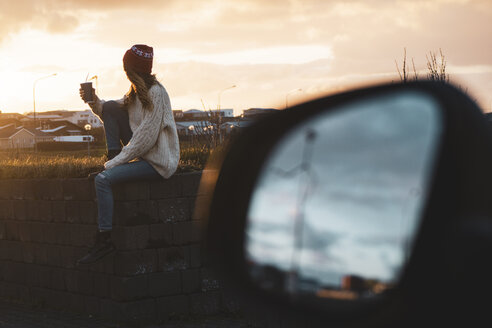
point(117, 129)
point(116, 126)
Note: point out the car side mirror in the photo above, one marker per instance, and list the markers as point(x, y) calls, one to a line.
point(341, 208)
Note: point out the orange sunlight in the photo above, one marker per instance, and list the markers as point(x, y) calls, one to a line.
point(265, 49)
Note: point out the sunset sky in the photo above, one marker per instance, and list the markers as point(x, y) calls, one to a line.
point(268, 49)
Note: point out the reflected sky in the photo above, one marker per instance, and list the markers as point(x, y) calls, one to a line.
point(359, 190)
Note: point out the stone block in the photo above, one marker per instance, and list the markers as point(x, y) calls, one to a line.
point(72, 211)
point(82, 235)
point(2, 230)
point(130, 238)
point(22, 189)
point(92, 305)
point(11, 250)
point(209, 281)
point(53, 299)
point(16, 272)
point(105, 265)
point(133, 263)
point(25, 231)
point(32, 210)
point(75, 303)
point(173, 259)
point(190, 183)
point(205, 303)
point(130, 313)
point(44, 276)
point(182, 233)
point(88, 212)
point(191, 281)
point(41, 254)
point(132, 213)
point(6, 189)
point(53, 255)
point(129, 288)
point(50, 189)
point(132, 191)
point(6, 210)
point(161, 235)
point(28, 252)
point(172, 306)
point(20, 210)
point(174, 210)
point(12, 230)
point(37, 232)
point(61, 232)
point(166, 188)
point(78, 189)
point(164, 283)
point(44, 211)
point(196, 254)
point(58, 211)
point(14, 292)
point(69, 256)
point(81, 282)
point(57, 279)
point(102, 284)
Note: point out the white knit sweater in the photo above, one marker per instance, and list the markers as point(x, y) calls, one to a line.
point(154, 139)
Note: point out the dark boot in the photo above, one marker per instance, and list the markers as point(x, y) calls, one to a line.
point(102, 247)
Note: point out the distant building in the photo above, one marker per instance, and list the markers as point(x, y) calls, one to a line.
point(11, 116)
point(224, 112)
point(178, 114)
point(194, 114)
point(254, 112)
point(79, 117)
point(21, 137)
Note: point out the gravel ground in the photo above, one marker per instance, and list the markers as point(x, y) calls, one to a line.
point(22, 316)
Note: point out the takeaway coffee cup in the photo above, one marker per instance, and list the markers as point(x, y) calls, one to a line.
point(87, 87)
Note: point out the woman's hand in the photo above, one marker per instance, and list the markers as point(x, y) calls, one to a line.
point(82, 95)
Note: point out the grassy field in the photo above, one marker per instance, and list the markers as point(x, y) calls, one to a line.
point(78, 164)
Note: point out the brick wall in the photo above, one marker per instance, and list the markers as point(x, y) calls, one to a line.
point(156, 272)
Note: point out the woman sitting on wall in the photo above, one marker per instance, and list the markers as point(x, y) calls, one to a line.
point(143, 122)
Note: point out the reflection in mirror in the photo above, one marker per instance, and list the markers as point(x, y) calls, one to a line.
point(338, 202)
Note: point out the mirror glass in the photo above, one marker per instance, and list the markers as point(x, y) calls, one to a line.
point(338, 202)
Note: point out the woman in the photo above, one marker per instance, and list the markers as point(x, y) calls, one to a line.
point(143, 122)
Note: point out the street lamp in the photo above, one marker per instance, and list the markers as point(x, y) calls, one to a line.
point(191, 130)
point(287, 95)
point(87, 128)
point(220, 92)
point(34, 94)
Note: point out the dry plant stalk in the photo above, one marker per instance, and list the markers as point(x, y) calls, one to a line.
point(436, 70)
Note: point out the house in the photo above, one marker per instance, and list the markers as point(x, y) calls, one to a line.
point(194, 114)
point(11, 116)
point(21, 137)
point(178, 114)
point(61, 128)
point(80, 117)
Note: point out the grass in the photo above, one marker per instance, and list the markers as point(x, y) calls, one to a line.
point(77, 164)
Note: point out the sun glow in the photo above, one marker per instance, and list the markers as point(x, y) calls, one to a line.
point(263, 48)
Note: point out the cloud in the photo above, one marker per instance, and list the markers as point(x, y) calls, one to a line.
point(62, 16)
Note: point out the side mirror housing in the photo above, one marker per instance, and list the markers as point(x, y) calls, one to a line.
point(354, 208)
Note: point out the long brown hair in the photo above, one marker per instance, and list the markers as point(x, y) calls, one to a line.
point(140, 85)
